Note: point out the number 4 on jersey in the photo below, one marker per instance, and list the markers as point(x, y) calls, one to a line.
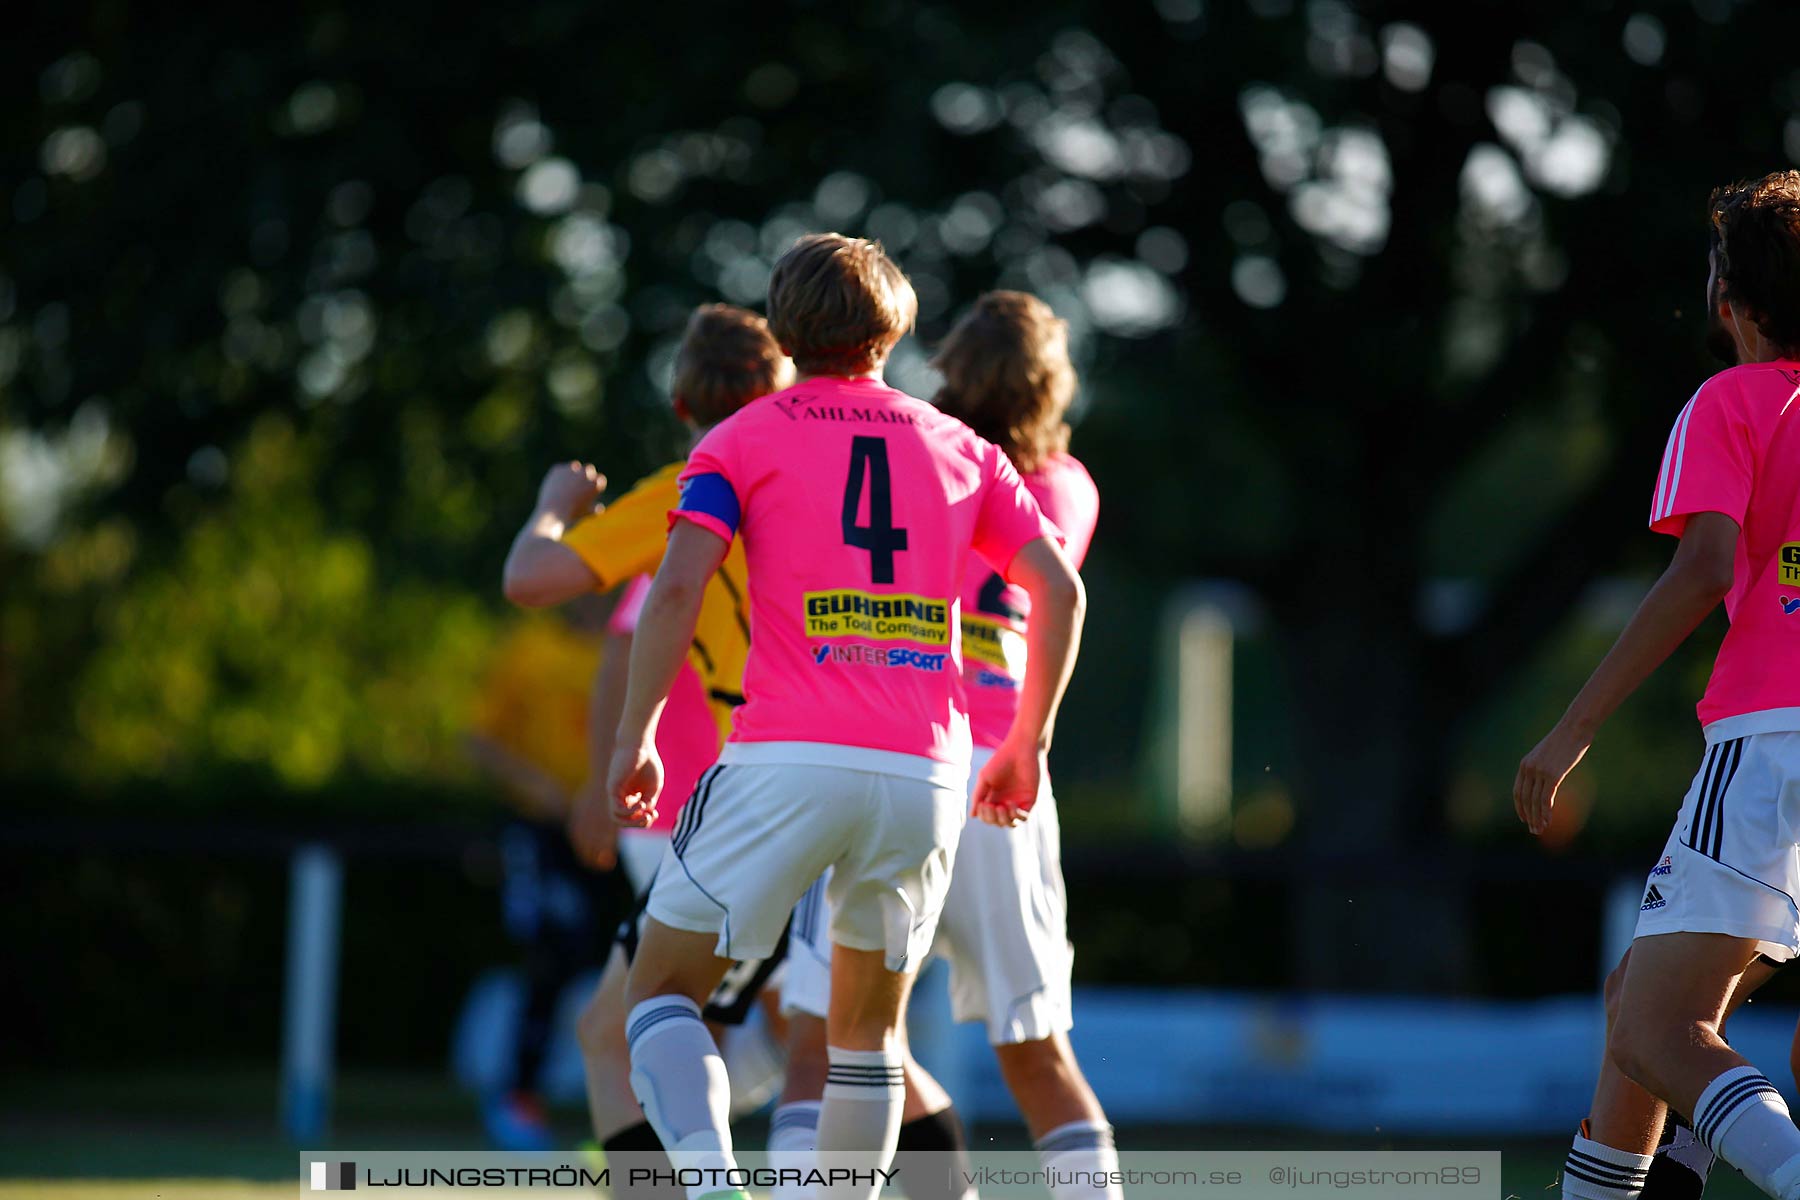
point(880, 537)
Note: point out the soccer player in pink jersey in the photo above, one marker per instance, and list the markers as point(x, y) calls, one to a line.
point(1004, 931)
point(568, 548)
point(1723, 895)
point(858, 507)
point(687, 741)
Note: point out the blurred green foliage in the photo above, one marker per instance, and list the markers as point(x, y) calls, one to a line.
point(272, 640)
point(296, 303)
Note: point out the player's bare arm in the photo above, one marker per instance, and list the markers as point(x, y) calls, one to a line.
point(1008, 785)
point(1696, 580)
point(540, 570)
point(592, 831)
point(660, 646)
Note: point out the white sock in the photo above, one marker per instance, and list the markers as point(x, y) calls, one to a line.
point(1597, 1172)
point(679, 1078)
point(859, 1121)
point(1743, 1119)
point(1082, 1154)
point(794, 1146)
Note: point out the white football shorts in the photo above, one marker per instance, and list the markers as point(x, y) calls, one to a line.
point(1004, 931)
point(1732, 862)
point(1005, 928)
point(770, 817)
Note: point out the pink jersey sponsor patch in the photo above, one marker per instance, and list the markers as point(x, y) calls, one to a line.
point(858, 506)
point(1735, 449)
point(994, 611)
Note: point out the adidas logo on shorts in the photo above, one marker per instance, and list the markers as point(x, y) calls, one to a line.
point(1652, 899)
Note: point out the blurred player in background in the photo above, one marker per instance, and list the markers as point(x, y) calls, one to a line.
point(1724, 894)
point(689, 743)
point(529, 733)
point(1007, 375)
point(567, 549)
point(857, 507)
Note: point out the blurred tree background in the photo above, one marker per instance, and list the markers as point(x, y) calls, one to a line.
point(1382, 310)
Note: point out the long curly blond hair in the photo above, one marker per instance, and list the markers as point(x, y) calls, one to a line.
point(1007, 376)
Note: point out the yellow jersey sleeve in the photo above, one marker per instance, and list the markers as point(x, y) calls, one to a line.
point(627, 537)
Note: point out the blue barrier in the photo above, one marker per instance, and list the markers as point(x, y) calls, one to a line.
point(1375, 1065)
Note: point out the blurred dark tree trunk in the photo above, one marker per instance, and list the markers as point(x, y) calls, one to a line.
point(1373, 742)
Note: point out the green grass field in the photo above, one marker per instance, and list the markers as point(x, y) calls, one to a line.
point(214, 1136)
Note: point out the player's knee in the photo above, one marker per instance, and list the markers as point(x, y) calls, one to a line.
point(1639, 1046)
point(1614, 989)
point(1626, 1051)
point(809, 1060)
point(1035, 1065)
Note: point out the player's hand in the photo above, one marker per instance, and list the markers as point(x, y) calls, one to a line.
point(570, 489)
point(634, 783)
point(1008, 784)
point(592, 833)
point(1541, 772)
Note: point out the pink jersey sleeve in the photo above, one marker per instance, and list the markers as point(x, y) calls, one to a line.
point(625, 613)
point(1071, 500)
point(1708, 464)
point(1009, 516)
point(712, 486)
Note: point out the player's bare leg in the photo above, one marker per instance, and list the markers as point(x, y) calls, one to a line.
point(1794, 1054)
point(1068, 1126)
point(865, 1083)
point(1623, 1115)
point(605, 1057)
point(677, 1073)
point(1626, 1118)
point(1667, 1039)
point(1047, 1084)
point(617, 1119)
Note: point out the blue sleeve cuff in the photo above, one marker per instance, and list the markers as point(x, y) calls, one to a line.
point(711, 495)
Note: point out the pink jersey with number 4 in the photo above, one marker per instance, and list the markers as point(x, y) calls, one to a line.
point(1735, 449)
point(994, 611)
point(859, 507)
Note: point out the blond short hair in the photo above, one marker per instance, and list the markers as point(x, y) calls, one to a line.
point(727, 358)
point(839, 304)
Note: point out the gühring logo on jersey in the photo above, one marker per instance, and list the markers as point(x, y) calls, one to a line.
point(845, 612)
point(1789, 577)
point(1790, 564)
point(333, 1176)
point(993, 644)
